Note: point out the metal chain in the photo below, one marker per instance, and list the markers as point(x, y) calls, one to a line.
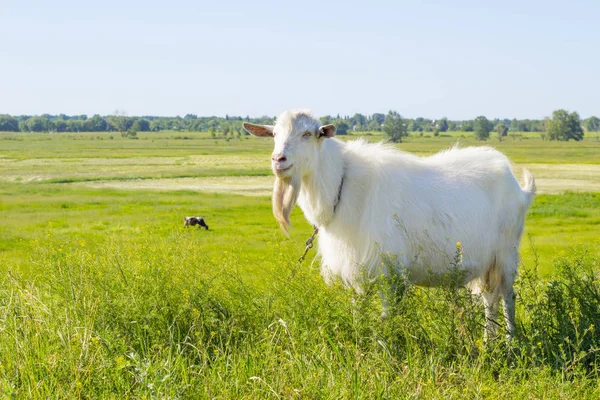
point(309, 244)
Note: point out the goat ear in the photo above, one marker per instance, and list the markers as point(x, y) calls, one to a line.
point(327, 131)
point(259, 130)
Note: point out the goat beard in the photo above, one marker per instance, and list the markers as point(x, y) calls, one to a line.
point(285, 194)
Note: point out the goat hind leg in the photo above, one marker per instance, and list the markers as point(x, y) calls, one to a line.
point(509, 267)
point(508, 302)
point(490, 302)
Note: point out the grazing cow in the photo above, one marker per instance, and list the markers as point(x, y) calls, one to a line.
point(372, 199)
point(195, 221)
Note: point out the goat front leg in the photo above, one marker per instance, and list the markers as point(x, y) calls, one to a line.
point(384, 304)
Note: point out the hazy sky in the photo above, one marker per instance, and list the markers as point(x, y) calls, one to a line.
point(457, 58)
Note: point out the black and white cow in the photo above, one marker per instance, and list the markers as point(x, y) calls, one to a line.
point(195, 221)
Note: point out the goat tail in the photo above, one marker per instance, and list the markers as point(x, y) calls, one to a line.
point(529, 185)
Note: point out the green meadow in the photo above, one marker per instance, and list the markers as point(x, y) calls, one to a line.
point(104, 293)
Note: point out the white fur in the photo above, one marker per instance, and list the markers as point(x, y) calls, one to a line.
point(416, 209)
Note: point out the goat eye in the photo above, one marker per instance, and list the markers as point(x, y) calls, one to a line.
point(306, 134)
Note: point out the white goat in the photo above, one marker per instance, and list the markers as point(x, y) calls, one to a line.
point(371, 199)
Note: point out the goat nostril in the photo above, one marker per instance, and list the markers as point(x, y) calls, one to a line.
point(279, 158)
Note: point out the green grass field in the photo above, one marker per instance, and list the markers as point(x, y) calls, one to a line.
point(104, 294)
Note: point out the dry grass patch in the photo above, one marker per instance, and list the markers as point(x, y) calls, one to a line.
point(550, 179)
point(242, 185)
point(557, 178)
point(44, 169)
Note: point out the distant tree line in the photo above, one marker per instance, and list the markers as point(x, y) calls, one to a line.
point(120, 122)
point(232, 125)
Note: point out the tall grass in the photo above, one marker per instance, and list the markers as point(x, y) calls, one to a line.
point(139, 318)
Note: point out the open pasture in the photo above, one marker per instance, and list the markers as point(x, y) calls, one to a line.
point(105, 294)
point(550, 179)
point(91, 157)
point(524, 149)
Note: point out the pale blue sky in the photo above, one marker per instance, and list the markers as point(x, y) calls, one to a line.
point(458, 58)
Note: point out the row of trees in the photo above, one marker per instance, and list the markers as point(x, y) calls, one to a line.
point(562, 126)
point(375, 122)
point(120, 122)
point(551, 128)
